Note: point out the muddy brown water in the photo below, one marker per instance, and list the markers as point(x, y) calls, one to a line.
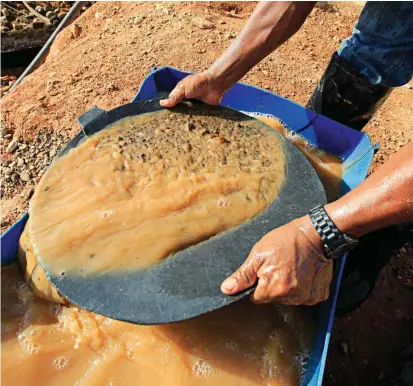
point(243, 344)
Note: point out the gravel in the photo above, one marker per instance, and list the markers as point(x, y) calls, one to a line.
point(30, 161)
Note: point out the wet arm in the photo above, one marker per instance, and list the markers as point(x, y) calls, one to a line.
point(383, 199)
point(270, 25)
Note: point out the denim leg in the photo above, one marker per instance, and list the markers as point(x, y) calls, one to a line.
point(381, 46)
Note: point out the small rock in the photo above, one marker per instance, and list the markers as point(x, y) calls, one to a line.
point(39, 9)
point(52, 152)
point(12, 146)
point(56, 22)
point(28, 193)
point(76, 30)
point(403, 250)
point(38, 24)
point(265, 72)
point(50, 15)
point(202, 23)
point(222, 22)
point(8, 171)
point(212, 41)
point(61, 15)
point(20, 161)
point(137, 20)
point(8, 136)
point(47, 8)
point(14, 177)
point(202, 51)
point(17, 26)
point(408, 86)
point(23, 146)
point(24, 176)
point(231, 35)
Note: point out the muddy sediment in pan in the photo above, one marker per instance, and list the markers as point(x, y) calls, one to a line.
point(151, 185)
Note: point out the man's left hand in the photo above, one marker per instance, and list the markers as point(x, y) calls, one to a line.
point(289, 264)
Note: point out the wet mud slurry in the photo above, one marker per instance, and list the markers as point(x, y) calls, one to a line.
point(238, 168)
point(328, 167)
point(151, 185)
point(243, 344)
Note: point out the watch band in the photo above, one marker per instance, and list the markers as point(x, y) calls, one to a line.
point(333, 239)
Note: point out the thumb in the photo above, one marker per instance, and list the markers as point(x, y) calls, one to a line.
point(244, 277)
point(176, 96)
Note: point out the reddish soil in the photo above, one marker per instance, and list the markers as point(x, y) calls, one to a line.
point(117, 46)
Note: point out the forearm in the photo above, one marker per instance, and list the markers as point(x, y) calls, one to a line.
point(270, 25)
point(384, 199)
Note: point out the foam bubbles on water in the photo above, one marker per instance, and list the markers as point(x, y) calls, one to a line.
point(202, 368)
point(293, 136)
point(61, 362)
point(111, 382)
point(250, 356)
point(130, 354)
point(301, 360)
point(106, 214)
point(268, 368)
point(231, 345)
point(222, 203)
point(258, 115)
point(29, 347)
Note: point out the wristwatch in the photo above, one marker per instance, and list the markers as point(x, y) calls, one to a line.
point(335, 242)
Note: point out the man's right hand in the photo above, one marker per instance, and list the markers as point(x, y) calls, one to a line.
point(198, 86)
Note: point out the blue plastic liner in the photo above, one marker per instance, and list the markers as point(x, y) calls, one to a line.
point(353, 147)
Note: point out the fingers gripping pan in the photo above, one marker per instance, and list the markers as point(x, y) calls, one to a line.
point(188, 283)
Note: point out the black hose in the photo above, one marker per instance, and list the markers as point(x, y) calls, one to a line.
point(71, 15)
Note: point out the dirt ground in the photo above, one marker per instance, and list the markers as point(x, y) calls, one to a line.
point(103, 61)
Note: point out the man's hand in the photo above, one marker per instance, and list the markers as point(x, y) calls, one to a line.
point(198, 86)
point(270, 25)
point(289, 264)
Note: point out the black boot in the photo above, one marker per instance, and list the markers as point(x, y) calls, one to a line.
point(346, 96)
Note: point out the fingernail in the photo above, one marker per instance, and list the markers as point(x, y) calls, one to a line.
point(229, 284)
point(162, 102)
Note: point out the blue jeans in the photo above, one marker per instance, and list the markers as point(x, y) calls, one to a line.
point(381, 46)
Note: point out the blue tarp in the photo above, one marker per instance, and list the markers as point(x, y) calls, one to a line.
point(353, 147)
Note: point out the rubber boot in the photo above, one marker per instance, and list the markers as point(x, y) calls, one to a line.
point(346, 96)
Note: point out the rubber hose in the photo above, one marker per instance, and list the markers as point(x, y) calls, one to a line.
point(71, 15)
